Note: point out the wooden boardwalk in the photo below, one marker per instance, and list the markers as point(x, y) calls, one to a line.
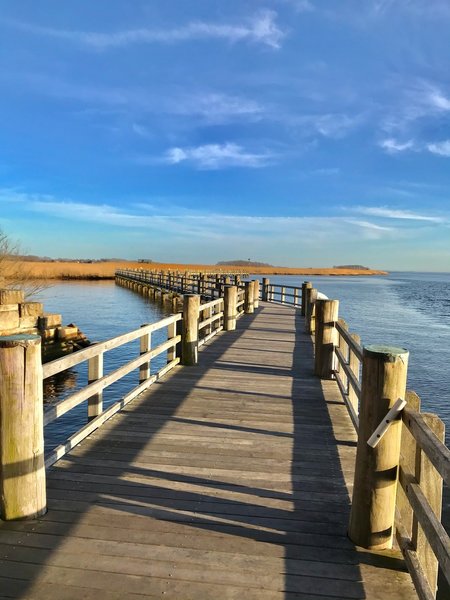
point(228, 480)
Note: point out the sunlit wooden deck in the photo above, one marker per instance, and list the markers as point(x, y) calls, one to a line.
point(227, 480)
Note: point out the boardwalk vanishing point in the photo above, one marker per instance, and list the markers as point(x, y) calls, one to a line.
point(227, 479)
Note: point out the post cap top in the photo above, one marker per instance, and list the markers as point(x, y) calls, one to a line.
point(19, 339)
point(390, 352)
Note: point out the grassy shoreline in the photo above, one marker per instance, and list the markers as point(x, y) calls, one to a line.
point(105, 270)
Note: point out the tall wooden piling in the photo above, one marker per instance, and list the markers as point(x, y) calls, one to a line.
point(256, 293)
point(310, 315)
point(230, 308)
point(265, 289)
point(326, 337)
point(376, 470)
point(189, 352)
point(305, 286)
point(22, 472)
point(248, 298)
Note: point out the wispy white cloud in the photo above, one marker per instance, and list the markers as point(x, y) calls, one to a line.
point(441, 148)
point(217, 156)
point(418, 101)
point(180, 223)
point(261, 28)
point(393, 146)
point(395, 213)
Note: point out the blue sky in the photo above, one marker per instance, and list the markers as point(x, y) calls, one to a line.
point(295, 132)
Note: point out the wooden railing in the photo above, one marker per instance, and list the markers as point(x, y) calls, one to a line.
point(22, 375)
point(398, 483)
point(98, 381)
point(205, 284)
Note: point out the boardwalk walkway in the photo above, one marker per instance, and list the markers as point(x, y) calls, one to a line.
point(228, 480)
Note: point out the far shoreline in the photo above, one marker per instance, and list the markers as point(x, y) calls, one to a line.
point(97, 271)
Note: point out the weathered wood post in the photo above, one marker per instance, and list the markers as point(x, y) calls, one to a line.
point(305, 286)
point(265, 289)
point(95, 372)
point(145, 345)
point(311, 297)
point(230, 308)
point(248, 297)
point(354, 364)
point(22, 470)
point(256, 293)
point(376, 469)
point(189, 351)
point(174, 329)
point(326, 337)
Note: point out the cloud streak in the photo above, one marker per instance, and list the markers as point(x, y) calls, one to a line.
point(217, 156)
point(261, 29)
point(394, 213)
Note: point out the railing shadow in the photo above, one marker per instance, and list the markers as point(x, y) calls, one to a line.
point(238, 528)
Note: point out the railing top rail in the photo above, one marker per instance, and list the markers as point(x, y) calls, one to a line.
point(211, 304)
point(61, 364)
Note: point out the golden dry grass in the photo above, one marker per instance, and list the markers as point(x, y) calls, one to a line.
point(106, 270)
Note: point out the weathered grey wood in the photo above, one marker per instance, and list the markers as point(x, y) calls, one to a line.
point(376, 469)
point(430, 482)
point(248, 298)
point(145, 345)
point(95, 372)
point(305, 285)
point(326, 337)
point(22, 473)
point(230, 308)
point(256, 293)
point(61, 364)
point(265, 289)
point(311, 297)
point(189, 338)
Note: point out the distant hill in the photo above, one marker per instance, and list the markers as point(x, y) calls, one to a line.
point(242, 263)
point(354, 267)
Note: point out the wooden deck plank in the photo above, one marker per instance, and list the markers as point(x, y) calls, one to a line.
point(226, 480)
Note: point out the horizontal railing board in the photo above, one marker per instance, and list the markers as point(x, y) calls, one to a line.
point(434, 531)
point(355, 347)
point(61, 364)
point(436, 451)
point(82, 433)
point(59, 409)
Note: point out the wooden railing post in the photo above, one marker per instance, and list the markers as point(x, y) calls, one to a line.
point(283, 295)
point(305, 286)
point(229, 308)
point(265, 289)
point(311, 297)
point(189, 352)
point(174, 329)
point(354, 364)
point(248, 298)
point(326, 337)
point(22, 471)
point(256, 293)
point(95, 372)
point(376, 469)
point(145, 346)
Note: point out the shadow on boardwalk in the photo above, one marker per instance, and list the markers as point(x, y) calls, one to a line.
point(225, 481)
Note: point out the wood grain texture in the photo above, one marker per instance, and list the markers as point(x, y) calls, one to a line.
point(226, 480)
